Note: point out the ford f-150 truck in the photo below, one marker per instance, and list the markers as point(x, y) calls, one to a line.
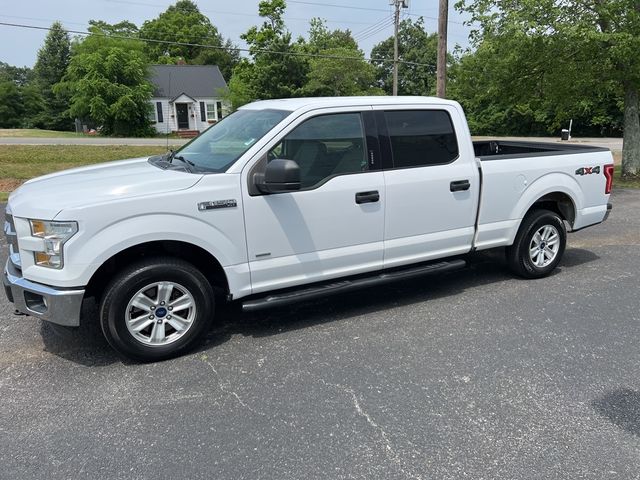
point(286, 200)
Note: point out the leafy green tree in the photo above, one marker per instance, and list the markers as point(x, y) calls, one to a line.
point(512, 85)
point(18, 75)
point(124, 28)
point(50, 67)
point(32, 103)
point(276, 71)
point(414, 45)
point(340, 67)
point(107, 82)
point(599, 43)
point(11, 107)
point(225, 59)
point(184, 23)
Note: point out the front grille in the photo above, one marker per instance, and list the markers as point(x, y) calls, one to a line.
point(12, 239)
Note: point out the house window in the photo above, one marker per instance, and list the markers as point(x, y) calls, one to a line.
point(211, 111)
point(159, 112)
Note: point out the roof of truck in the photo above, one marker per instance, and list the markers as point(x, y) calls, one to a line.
point(309, 103)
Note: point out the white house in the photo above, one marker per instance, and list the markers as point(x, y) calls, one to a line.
point(187, 98)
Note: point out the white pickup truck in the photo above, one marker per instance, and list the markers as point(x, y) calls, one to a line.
point(286, 200)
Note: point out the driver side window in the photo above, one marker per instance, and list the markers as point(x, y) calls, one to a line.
point(324, 146)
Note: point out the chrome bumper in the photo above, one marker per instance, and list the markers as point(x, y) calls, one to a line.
point(55, 305)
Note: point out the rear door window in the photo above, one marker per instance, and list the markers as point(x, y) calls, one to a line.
point(421, 138)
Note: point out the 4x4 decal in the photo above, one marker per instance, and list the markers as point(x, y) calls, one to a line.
point(587, 170)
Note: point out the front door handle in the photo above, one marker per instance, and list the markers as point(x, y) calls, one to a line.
point(367, 197)
point(459, 185)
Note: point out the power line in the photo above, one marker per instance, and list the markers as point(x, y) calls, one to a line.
point(216, 47)
point(353, 7)
point(381, 28)
point(373, 29)
point(220, 12)
point(304, 2)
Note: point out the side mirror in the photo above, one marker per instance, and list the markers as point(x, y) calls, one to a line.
point(280, 176)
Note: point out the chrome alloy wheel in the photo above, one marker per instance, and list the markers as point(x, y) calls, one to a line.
point(544, 246)
point(160, 313)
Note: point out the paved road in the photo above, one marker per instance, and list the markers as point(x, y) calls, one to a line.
point(91, 141)
point(471, 375)
point(614, 144)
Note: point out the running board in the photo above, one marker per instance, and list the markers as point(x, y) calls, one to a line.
point(341, 286)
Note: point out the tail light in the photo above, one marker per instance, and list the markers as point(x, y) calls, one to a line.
point(608, 175)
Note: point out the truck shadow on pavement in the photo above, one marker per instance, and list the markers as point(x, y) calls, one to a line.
point(86, 345)
point(622, 408)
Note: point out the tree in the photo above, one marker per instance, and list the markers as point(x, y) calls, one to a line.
point(225, 59)
point(601, 49)
point(340, 67)
point(20, 76)
point(11, 108)
point(50, 67)
point(184, 23)
point(512, 85)
point(415, 45)
point(107, 82)
point(276, 71)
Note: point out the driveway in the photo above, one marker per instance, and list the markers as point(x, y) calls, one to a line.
point(474, 374)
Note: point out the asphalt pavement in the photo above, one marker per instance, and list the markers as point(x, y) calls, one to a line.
point(473, 374)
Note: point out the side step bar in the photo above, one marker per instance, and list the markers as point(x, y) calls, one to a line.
point(341, 286)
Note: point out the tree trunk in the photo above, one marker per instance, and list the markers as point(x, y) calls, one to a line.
point(631, 142)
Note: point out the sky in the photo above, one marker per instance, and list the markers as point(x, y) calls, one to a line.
point(369, 20)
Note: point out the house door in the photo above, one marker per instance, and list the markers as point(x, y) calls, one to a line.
point(182, 112)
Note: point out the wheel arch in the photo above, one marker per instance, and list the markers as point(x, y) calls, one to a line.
point(558, 202)
point(555, 191)
point(197, 256)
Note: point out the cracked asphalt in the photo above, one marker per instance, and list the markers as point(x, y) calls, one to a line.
point(474, 374)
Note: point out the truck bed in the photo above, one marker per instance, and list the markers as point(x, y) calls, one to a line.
point(506, 149)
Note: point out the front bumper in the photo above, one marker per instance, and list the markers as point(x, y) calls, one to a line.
point(55, 305)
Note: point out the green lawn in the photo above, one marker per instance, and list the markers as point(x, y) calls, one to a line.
point(36, 132)
point(19, 163)
point(618, 182)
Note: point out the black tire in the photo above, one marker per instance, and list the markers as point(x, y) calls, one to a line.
point(518, 254)
point(128, 282)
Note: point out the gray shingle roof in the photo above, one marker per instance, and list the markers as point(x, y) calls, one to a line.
point(170, 81)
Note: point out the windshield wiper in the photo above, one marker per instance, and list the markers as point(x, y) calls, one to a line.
point(188, 163)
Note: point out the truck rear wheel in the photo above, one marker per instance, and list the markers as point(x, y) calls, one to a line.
point(539, 245)
point(156, 309)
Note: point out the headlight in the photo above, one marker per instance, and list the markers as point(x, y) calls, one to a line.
point(55, 234)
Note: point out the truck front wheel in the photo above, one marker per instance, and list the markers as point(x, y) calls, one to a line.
point(539, 244)
point(156, 309)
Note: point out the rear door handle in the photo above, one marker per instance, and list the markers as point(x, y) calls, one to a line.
point(459, 185)
point(367, 197)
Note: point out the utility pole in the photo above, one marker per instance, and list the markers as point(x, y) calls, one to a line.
point(441, 72)
point(396, 21)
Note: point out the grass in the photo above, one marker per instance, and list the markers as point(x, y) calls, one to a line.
point(35, 133)
point(619, 182)
point(19, 163)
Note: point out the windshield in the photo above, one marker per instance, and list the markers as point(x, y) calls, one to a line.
point(218, 147)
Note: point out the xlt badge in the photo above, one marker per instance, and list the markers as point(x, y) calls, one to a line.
point(203, 206)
